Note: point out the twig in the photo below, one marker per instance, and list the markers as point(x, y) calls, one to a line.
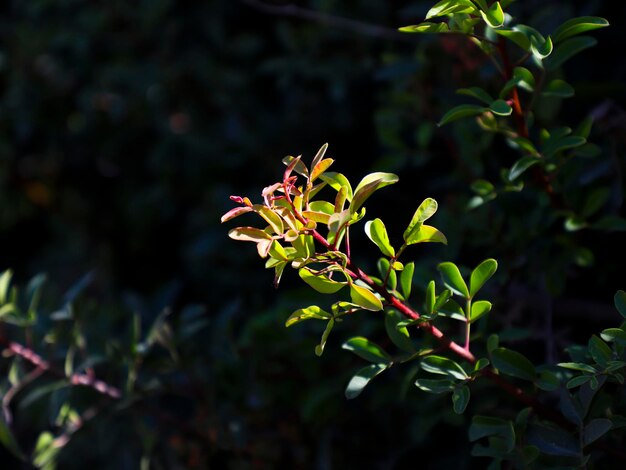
point(75, 379)
point(354, 26)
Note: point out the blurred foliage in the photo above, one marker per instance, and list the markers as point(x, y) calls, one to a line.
point(125, 125)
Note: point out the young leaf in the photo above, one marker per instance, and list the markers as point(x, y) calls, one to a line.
point(482, 274)
point(460, 399)
point(620, 302)
point(453, 279)
point(578, 25)
point(5, 280)
point(435, 385)
point(425, 28)
point(320, 168)
point(360, 380)
point(337, 181)
point(319, 156)
point(320, 283)
point(520, 166)
point(540, 49)
point(501, 108)
point(513, 363)
point(479, 309)
point(376, 231)
point(430, 297)
point(368, 185)
point(516, 36)
point(426, 233)
point(365, 298)
point(425, 211)
point(307, 313)
point(461, 111)
point(559, 88)
point(270, 217)
point(494, 16)
point(446, 7)
point(319, 349)
point(231, 214)
point(366, 349)
point(249, 234)
point(406, 279)
point(444, 366)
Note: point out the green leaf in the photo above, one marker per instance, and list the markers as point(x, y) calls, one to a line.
point(483, 187)
point(360, 380)
point(426, 28)
point(406, 279)
point(453, 279)
point(451, 309)
point(556, 145)
point(8, 440)
point(494, 16)
point(368, 185)
point(525, 78)
point(616, 335)
point(446, 7)
point(479, 309)
point(568, 49)
point(426, 233)
point(620, 302)
point(435, 385)
point(337, 181)
point(320, 283)
point(520, 166)
point(485, 426)
point(482, 274)
point(578, 381)
point(319, 349)
point(444, 366)
point(553, 440)
point(578, 366)
point(365, 298)
point(307, 313)
point(595, 429)
point(430, 297)
point(516, 36)
point(368, 350)
point(460, 399)
point(559, 88)
point(541, 49)
point(478, 93)
point(578, 25)
point(399, 335)
point(461, 111)
point(513, 363)
point(599, 350)
point(501, 108)
point(376, 231)
point(425, 211)
point(5, 280)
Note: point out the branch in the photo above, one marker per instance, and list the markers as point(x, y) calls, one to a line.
point(44, 366)
point(354, 26)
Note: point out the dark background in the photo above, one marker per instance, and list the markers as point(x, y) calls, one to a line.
point(125, 126)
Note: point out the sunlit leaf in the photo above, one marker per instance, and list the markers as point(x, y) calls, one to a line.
point(321, 283)
point(311, 312)
point(482, 274)
point(453, 279)
point(365, 298)
point(578, 25)
point(444, 366)
point(425, 28)
point(426, 233)
point(249, 234)
point(425, 211)
point(479, 309)
point(461, 111)
point(376, 231)
point(368, 350)
point(494, 16)
point(337, 181)
point(406, 279)
point(446, 7)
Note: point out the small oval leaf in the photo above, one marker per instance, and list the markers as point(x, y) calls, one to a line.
point(365, 298)
point(513, 363)
point(453, 279)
